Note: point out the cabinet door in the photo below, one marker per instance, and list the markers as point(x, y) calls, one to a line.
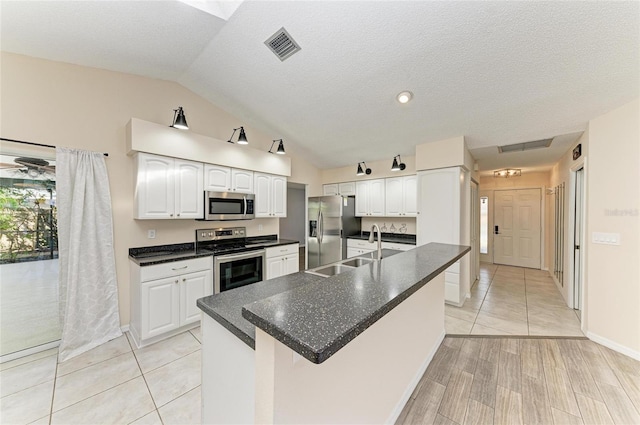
point(352, 252)
point(278, 196)
point(193, 286)
point(291, 263)
point(160, 309)
point(189, 189)
point(154, 190)
point(410, 192)
point(330, 189)
point(275, 267)
point(216, 178)
point(393, 196)
point(242, 180)
point(376, 198)
point(362, 198)
point(347, 189)
point(262, 187)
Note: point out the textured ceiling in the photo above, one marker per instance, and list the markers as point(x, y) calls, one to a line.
point(496, 72)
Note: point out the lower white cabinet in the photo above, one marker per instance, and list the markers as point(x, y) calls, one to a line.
point(163, 297)
point(357, 247)
point(282, 260)
point(397, 246)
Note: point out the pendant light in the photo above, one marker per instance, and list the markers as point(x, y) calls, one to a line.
point(242, 137)
point(280, 150)
point(179, 120)
point(398, 165)
point(361, 171)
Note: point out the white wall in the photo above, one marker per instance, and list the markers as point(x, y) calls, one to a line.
point(613, 206)
point(79, 107)
point(379, 170)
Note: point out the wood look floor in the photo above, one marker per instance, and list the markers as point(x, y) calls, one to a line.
point(525, 381)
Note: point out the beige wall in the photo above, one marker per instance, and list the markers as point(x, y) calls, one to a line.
point(87, 108)
point(379, 170)
point(442, 154)
point(613, 272)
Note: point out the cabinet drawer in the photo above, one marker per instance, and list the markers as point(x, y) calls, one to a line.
point(397, 246)
point(357, 243)
point(277, 251)
point(175, 268)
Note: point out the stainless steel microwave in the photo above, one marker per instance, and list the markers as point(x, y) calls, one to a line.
point(220, 206)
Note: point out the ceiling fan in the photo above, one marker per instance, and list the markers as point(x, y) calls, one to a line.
point(32, 167)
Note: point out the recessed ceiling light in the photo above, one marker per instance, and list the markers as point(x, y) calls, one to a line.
point(404, 96)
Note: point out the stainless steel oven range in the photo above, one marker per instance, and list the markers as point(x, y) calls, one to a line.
point(234, 265)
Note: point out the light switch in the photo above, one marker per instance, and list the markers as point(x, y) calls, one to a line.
point(605, 238)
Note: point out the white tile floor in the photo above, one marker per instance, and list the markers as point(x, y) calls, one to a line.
point(113, 383)
point(513, 301)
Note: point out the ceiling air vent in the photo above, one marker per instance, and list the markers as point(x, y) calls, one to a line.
point(282, 44)
point(536, 144)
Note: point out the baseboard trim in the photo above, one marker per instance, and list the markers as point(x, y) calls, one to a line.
point(29, 351)
point(614, 346)
point(124, 328)
point(395, 414)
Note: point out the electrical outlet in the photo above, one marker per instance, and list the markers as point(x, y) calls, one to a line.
point(260, 227)
point(151, 234)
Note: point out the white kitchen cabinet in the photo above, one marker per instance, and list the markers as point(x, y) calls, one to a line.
point(282, 260)
point(167, 188)
point(225, 179)
point(397, 246)
point(357, 247)
point(370, 198)
point(401, 196)
point(271, 195)
point(343, 189)
point(163, 297)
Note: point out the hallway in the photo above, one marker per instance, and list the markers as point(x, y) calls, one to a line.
point(513, 301)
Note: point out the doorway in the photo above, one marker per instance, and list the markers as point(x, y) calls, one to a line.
point(578, 238)
point(517, 228)
point(293, 226)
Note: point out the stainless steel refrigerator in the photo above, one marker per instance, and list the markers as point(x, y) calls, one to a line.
point(331, 220)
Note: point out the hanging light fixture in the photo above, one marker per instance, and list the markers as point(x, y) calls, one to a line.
point(242, 137)
point(280, 150)
point(398, 165)
point(508, 172)
point(361, 171)
point(179, 120)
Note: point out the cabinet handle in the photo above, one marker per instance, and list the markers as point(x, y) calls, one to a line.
point(178, 215)
point(176, 281)
point(179, 268)
point(170, 215)
point(184, 279)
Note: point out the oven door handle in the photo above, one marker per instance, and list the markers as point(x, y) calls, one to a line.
point(250, 254)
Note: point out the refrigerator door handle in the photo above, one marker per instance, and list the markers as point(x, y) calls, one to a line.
point(320, 226)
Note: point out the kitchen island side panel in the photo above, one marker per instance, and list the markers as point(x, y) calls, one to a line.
point(368, 381)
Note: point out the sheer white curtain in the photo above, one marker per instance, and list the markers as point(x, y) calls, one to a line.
point(87, 278)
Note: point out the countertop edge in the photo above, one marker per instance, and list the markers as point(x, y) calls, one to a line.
point(247, 339)
point(329, 350)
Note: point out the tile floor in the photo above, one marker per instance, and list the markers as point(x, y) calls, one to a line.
point(513, 301)
point(508, 380)
point(113, 383)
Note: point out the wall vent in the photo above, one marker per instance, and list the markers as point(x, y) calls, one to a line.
point(536, 144)
point(282, 44)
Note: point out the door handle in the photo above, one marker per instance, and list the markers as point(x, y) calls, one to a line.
point(495, 231)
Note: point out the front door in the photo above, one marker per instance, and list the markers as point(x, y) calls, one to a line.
point(517, 228)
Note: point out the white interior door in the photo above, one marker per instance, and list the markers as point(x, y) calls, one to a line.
point(516, 240)
point(578, 240)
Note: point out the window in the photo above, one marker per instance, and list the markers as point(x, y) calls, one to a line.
point(484, 225)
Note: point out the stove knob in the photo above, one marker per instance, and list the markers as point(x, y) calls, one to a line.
point(210, 234)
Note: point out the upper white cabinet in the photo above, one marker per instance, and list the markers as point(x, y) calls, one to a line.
point(225, 179)
point(370, 198)
point(168, 188)
point(271, 195)
point(343, 189)
point(401, 196)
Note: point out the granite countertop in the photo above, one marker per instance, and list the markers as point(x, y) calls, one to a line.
point(159, 254)
point(226, 307)
point(388, 237)
point(316, 316)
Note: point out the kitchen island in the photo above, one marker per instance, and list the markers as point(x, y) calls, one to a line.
point(349, 348)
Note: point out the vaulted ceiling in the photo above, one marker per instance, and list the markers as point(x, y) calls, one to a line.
point(496, 72)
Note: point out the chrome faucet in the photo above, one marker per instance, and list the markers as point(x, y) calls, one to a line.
point(375, 227)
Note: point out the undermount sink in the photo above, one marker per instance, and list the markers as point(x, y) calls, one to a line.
point(339, 267)
point(357, 262)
